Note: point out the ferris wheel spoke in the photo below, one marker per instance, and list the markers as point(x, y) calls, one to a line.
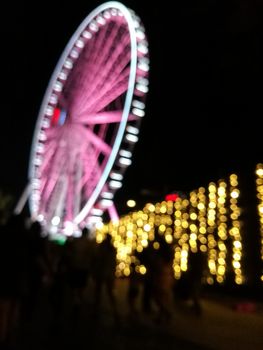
point(69, 199)
point(45, 179)
point(49, 153)
point(88, 160)
point(98, 47)
point(93, 58)
point(105, 117)
point(117, 72)
point(52, 156)
point(92, 141)
point(109, 97)
point(62, 197)
point(101, 53)
point(63, 184)
point(69, 190)
point(97, 75)
point(103, 130)
point(90, 183)
point(50, 185)
point(116, 67)
point(52, 173)
point(46, 168)
point(50, 145)
point(77, 190)
point(86, 180)
point(52, 133)
point(109, 87)
point(89, 62)
point(101, 145)
point(55, 199)
point(91, 166)
point(114, 64)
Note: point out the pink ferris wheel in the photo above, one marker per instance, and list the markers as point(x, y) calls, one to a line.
point(89, 121)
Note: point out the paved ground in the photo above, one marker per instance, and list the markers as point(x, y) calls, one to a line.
point(221, 327)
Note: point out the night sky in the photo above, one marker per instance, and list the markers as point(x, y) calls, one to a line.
point(204, 106)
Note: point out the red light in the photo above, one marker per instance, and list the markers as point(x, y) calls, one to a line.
point(55, 117)
point(171, 197)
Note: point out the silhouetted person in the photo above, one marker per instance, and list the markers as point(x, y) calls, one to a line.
point(81, 251)
point(135, 281)
point(148, 258)
point(158, 280)
point(163, 281)
point(104, 267)
point(59, 263)
point(37, 268)
point(194, 274)
point(12, 275)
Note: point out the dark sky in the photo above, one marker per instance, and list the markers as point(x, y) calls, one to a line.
point(204, 107)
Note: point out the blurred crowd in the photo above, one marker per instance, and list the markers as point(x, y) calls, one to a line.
point(31, 263)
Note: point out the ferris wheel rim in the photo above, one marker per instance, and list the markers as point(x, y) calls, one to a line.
point(60, 63)
point(125, 110)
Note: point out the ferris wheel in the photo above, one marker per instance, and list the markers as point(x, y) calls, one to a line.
point(89, 121)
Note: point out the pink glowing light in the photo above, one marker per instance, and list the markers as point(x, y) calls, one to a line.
point(84, 117)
